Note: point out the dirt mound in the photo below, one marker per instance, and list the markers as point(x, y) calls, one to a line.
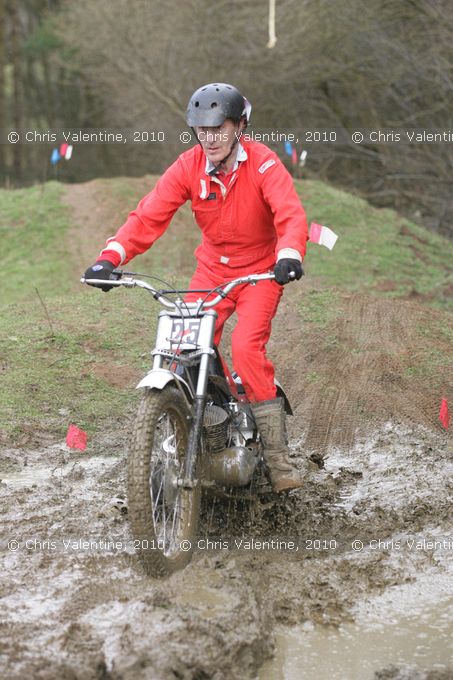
point(378, 360)
point(97, 209)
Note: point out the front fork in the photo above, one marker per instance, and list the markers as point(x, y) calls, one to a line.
point(194, 441)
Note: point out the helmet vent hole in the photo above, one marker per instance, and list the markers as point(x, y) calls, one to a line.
point(218, 90)
point(204, 88)
point(213, 105)
point(197, 103)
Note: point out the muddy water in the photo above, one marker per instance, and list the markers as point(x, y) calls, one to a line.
point(75, 602)
point(356, 651)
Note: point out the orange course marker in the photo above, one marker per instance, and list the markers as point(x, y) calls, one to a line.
point(444, 416)
point(75, 438)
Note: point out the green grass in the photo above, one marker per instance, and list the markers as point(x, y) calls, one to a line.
point(33, 225)
point(320, 307)
point(49, 378)
point(377, 251)
point(434, 365)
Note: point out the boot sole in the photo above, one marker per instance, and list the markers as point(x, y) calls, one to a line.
point(287, 487)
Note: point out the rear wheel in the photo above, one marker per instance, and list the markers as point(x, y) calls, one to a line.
point(163, 516)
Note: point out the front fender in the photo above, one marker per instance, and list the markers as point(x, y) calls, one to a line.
point(160, 377)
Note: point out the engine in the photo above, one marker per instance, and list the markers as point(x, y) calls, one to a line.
point(232, 448)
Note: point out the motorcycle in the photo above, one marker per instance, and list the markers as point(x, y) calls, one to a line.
point(194, 429)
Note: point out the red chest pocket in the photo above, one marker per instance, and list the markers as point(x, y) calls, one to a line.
point(206, 206)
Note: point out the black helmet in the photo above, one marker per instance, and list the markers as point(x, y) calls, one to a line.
point(211, 104)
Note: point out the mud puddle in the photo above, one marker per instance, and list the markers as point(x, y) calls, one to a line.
point(76, 604)
point(414, 643)
point(37, 475)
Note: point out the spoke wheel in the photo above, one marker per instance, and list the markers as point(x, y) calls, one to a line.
point(163, 516)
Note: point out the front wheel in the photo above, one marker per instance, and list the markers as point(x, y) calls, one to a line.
point(163, 516)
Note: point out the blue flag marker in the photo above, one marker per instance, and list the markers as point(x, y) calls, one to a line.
point(288, 148)
point(55, 157)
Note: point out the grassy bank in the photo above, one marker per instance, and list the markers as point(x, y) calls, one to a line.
point(377, 251)
point(33, 224)
point(73, 354)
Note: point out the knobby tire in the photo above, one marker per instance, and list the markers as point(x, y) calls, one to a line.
point(155, 460)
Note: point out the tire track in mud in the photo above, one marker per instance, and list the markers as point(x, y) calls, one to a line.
point(363, 366)
point(362, 331)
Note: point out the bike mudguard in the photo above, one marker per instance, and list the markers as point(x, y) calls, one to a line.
point(160, 377)
point(281, 393)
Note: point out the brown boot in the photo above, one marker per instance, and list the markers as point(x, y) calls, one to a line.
point(270, 421)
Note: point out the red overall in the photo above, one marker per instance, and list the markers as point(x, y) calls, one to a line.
point(248, 220)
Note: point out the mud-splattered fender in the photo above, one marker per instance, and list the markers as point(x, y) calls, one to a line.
point(281, 393)
point(160, 377)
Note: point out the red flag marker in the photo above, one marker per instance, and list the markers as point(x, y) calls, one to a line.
point(443, 414)
point(75, 438)
point(294, 156)
point(63, 149)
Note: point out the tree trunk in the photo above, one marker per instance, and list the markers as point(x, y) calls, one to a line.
point(2, 85)
point(16, 60)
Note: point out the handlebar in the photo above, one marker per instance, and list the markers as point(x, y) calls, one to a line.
point(199, 304)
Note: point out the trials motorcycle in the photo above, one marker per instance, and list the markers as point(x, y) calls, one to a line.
point(194, 429)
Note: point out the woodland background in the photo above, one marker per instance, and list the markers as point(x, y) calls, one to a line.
point(343, 64)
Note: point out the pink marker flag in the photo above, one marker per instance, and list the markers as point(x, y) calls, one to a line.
point(444, 416)
point(75, 438)
point(322, 235)
point(294, 155)
point(63, 149)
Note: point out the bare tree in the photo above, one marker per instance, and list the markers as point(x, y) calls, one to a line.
point(16, 61)
point(348, 65)
point(2, 80)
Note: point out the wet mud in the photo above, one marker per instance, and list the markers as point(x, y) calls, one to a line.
point(76, 604)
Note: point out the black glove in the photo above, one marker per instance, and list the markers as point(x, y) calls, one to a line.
point(101, 270)
point(284, 267)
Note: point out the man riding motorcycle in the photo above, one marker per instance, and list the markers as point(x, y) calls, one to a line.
point(251, 219)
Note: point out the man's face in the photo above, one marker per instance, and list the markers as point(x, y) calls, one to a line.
point(217, 141)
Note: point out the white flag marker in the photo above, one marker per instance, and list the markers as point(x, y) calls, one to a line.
point(322, 235)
